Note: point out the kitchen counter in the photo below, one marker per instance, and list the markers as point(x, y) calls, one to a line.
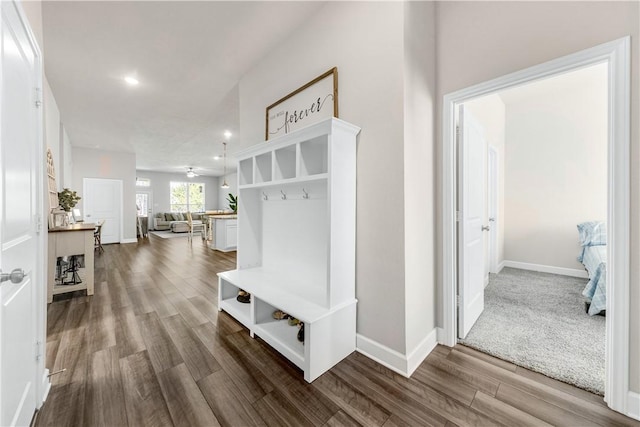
point(223, 232)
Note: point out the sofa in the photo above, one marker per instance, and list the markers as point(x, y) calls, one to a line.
point(175, 221)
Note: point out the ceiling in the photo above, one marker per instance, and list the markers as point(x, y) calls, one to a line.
point(188, 58)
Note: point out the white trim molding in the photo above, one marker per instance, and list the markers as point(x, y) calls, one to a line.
point(422, 350)
point(404, 365)
point(573, 272)
point(633, 405)
point(617, 55)
point(130, 240)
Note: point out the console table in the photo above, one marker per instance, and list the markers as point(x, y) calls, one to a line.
point(76, 239)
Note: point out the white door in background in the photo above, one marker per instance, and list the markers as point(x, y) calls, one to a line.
point(144, 203)
point(102, 200)
point(471, 204)
point(493, 208)
point(20, 240)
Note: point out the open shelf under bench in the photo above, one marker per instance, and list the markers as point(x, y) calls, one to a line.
point(330, 332)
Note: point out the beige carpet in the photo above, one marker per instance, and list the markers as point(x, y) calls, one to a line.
point(537, 320)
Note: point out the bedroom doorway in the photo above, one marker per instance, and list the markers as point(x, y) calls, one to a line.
point(549, 137)
point(616, 57)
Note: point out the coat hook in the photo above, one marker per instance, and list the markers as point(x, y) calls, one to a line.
point(264, 196)
point(305, 195)
point(284, 196)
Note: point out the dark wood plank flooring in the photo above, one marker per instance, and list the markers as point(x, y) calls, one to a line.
point(151, 349)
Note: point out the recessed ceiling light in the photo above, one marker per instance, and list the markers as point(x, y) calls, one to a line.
point(131, 80)
point(216, 157)
point(227, 134)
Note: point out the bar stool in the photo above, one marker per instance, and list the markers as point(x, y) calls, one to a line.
point(97, 236)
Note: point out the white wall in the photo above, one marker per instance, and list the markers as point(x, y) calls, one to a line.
point(66, 160)
point(556, 166)
point(419, 172)
point(232, 180)
point(160, 188)
point(490, 113)
point(52, 130)
point(365, 41)
point(479, 41)
point(90, 163)
point(56, 139)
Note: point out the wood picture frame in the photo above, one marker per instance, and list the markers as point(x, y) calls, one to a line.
point(304, 106)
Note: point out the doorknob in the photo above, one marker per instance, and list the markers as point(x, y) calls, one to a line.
point(485, 228)
point(16, 275)
point(492, 219)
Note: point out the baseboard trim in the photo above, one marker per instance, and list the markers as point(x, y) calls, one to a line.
point(633, 405)
point(382, 354)
point(500, 267)
point(394, 360)
point(546, 269)
point(129, 241)
point(422, 350)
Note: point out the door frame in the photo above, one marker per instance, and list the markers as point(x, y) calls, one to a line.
point(617, 55)
point(494, 206)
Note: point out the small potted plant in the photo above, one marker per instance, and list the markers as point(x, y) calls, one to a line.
point(233, 202)
point(68, 199)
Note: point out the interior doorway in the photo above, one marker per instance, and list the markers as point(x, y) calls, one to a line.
point(616, 55)
point(550, 139)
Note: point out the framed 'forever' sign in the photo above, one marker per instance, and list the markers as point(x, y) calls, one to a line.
point(311, 103)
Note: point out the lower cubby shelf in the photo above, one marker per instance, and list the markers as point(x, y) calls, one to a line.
point(330, 334)
point(283, 338)
point(239, 311)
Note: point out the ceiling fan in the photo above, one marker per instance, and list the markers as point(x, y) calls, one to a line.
point(191, 173)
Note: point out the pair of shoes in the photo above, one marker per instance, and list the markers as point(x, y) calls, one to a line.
point(293, 321)
point(301, 333)
point(243, 297)
point(280, 315)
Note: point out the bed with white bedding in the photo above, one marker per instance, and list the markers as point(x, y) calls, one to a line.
point(593, 239)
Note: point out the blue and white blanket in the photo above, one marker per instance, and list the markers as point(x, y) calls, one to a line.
point(594, 259)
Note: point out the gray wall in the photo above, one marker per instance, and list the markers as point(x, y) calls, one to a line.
point(232, 180)
point(365, 42)
point(386, 77)
point(90, 163)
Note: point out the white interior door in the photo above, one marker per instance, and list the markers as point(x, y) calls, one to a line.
point(471, 205)
point(144, 203)
point(102, 200)
point(19, 239)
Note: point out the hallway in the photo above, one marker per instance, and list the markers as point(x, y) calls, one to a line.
point(150, 348)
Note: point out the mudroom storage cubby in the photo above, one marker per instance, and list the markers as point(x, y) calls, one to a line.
point(296, 244)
